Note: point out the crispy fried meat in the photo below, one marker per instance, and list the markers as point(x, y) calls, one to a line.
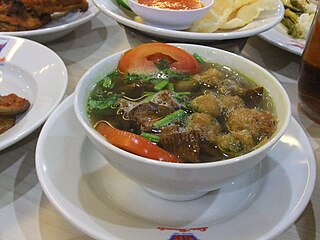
point(52, 6)
point(20, 15)
point(15, 17)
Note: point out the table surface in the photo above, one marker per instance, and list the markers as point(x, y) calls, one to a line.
point(26, 213)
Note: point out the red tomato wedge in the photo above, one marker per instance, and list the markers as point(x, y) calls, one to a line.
point(142, 59)
point(134, 143)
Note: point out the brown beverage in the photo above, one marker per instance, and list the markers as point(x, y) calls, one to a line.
point(309, 76)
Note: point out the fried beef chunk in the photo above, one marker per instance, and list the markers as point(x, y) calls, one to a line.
point(145, 115)
point(184, 145)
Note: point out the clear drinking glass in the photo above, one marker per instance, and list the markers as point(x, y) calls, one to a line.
point(309, 74)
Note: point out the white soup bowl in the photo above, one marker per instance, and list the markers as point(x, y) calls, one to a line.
point(168, 18)
point(184, 181)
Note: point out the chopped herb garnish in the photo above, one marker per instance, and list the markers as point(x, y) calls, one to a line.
point(162, 64)
point(161, 85)
point(150, 136)
point(132, 77)
point(104, 102)
point(177, 115)
point(198, 58)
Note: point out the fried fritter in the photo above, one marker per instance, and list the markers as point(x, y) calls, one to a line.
point(12, 104)
point(6, 122)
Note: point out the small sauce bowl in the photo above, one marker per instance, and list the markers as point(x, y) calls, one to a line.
point(169, 18)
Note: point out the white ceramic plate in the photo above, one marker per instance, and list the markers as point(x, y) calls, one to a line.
point(106, 205)
point(35, 72)
point(279, 37)
point(58, 27)
point(266, 20)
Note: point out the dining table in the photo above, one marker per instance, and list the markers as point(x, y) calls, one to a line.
point(25, 210)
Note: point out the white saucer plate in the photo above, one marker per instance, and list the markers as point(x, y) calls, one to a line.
point(104, 204)
point(36, 73)
point(265, 21)
point(58, 27)
point(279, 37)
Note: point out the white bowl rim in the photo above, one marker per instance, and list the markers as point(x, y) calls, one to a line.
point(210, 3)
point(275, 138)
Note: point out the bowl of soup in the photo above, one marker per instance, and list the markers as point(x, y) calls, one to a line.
point(181, 120)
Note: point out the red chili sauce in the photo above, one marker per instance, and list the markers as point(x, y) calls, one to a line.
point(173, 4)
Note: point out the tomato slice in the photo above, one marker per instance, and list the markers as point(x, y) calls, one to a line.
point(134, 143)
point(142, 59)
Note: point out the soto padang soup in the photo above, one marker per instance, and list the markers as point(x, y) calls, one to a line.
point(166, 104)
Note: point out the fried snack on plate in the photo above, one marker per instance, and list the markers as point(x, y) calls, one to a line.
point(218, 15)
point(231, 14)
point(52, 6)
point(15, 17)
point(22, 15)
point(6, 122)
point(12, 104)
point(248, 13)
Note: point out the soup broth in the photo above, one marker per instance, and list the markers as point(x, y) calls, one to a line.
point(213, 115)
